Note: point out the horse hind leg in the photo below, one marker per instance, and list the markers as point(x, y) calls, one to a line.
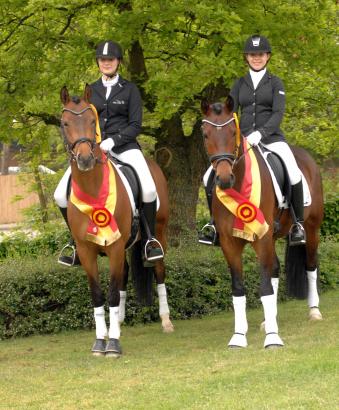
point(312, 273)
point(164, 312)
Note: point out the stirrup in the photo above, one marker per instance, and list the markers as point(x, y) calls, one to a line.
point(297, 234)
point(149, 245)
point(210, 236)
point(66, 259)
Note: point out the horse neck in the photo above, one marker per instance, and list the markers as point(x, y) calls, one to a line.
point(89, 181)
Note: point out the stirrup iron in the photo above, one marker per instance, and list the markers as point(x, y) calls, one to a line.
point(152, 241)
point(71, 258)
point(211, 232)
point(299, 226)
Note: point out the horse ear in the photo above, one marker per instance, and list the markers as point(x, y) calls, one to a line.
point(229, 103)
point(87, 93)
point(64, 96)
point(205, 106)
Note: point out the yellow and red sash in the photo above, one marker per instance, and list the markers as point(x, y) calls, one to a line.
point(250, 222)
point(102, 228)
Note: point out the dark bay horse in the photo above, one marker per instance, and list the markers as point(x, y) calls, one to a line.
point(89, 166)
point(225, 148)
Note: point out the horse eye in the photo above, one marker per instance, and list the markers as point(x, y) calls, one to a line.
point(64, 124)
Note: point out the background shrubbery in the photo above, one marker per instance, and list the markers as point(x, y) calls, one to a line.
point(39, 296)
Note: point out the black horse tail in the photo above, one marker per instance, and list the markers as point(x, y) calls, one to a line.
point(142, 277)
point(295, 268)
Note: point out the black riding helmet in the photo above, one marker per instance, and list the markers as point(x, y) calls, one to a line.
point(108, 49)
point(257, 44)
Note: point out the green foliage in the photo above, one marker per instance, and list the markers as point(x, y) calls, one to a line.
point(330, 225)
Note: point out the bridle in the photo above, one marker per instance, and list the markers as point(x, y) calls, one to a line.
point(91, 142)
point(225, 156)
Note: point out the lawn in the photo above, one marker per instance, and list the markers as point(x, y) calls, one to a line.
point(189, 369)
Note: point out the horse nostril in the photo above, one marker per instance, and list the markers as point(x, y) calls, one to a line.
point(225, 183)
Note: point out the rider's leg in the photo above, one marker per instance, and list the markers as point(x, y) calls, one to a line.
point(208, 234)
point(297, 233)
point(60, 196)
point(152, 248)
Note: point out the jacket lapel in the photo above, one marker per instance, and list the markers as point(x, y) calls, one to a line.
point(248, 81)
point(264, 80)
point(117, 88)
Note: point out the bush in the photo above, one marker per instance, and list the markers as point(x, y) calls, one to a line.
point(330, 225)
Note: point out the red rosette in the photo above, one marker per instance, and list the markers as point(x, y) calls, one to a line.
point(247, 212)
point(101, 217)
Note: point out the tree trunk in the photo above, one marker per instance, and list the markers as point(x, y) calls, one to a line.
point(183, 161)
point(41, 195)
point(5, 159)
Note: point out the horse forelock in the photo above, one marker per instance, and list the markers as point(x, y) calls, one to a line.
point(76, 99)
point(217, 108)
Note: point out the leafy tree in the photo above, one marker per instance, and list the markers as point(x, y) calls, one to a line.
point(177, 52)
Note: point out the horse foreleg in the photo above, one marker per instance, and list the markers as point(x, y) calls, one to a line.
point(88, 260)
point(239, 338)
point(164, 312)
point(116, 254)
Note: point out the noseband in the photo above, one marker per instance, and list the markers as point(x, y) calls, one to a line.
point(91, 142)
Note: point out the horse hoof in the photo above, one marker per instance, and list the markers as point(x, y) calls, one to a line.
point(113, 348)
point(99, 347)
point(166, 324)
point(237, 341)
point(273, 340)
point(315, 314)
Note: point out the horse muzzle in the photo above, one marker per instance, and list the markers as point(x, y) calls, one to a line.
point(225, 183)
point(85, 163)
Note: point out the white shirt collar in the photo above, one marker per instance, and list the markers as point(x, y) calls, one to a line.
point(256, 76)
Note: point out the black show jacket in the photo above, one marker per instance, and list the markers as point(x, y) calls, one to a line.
point(120, 116)
point(261, 109)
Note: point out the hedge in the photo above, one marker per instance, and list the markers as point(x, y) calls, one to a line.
point(39, 296)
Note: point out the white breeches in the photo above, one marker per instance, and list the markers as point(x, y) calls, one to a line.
point(60, 194)
point(284, 151)
point(133, 157)
point(136, 158)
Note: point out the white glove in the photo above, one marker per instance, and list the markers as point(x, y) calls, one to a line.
point(254, 138)
point(107, 144)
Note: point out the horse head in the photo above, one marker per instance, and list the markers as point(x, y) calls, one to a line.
point(78, 127)
point(219, 129)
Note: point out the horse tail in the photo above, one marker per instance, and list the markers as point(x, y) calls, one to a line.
point(295, 268)
point(142, 277)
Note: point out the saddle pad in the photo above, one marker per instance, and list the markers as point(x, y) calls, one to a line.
point(282, 202)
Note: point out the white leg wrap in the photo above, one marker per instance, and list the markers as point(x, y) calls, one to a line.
point(100, 322)
point(240, 322)
point(114, 326)
point(270, 312)
point(122, 305)
point(275, 285)
point(313, 297)
point(271, 326)
point(163, 305)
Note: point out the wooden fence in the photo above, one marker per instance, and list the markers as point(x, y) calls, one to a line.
point(10, 186)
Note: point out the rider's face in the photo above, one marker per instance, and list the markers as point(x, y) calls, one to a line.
point(108, 66)
point(257, 61)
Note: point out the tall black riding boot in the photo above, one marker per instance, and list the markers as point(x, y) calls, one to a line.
point(297, 232)
point(68, 255)
point(152, 247)
point(208, 234)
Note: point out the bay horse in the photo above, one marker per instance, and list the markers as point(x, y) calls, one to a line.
point(79, 127)
point(225, 147)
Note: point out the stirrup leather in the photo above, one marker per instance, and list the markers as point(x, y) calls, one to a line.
point(63, 261)
point(151, 242)
point(297, 226)
point(209, 237)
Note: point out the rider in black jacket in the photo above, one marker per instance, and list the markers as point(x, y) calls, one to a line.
point(119, 106)
point(260, 96)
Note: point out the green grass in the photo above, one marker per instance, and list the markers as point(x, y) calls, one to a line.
point(189, 369)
